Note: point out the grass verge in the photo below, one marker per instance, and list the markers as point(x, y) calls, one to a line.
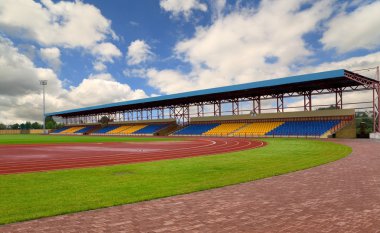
point(43, 139)
point(35, 195)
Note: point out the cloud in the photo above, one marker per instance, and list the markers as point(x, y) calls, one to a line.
point(63, 24)
point(217, 8)
point(51, 56)
point(180, 7)
point(104, 52)
point(67, 24)
point(235, 47)
point(101, 89)
point(20, 91)
point(354, 30)
point(138, 52)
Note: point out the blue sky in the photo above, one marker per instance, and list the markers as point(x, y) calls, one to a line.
point(95, 52)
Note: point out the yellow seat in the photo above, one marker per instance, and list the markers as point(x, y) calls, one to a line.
point(72, 129)
point(119, 129)
point(224, 129)
point(257, 129)
point(132, 129)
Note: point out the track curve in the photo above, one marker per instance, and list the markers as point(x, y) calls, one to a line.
point(32, 158)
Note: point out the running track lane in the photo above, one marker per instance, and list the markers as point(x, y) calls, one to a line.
point(32, 158)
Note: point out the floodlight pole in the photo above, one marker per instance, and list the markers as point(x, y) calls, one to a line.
point(43, 83)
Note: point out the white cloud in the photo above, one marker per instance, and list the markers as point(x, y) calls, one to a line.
point(138, 52)
point(52, 57)
point(217, 8)
point(100, 89)
point(99, 66)
point(67, 24)
point(180, 7)
point(234, 47)
point(20, 91)
point(62, 24)
point(354, 30)
point(104, 52)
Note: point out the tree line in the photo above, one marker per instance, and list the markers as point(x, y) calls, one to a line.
point(50, 123)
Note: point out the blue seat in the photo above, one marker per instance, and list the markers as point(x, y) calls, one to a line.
point(196, 129)
point(304, 128)
point(61, 129)
point(84, 130)
point(150, 129)
point(106, 129)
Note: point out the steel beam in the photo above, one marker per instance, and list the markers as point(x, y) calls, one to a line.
point(307, 101)
point(256, 105)
point(338, 98)
point(280, 103)
point(235, 106)
point(217, 108)
point(200, 109)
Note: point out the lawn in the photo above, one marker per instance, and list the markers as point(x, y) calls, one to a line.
point(34, 139)
point(36, 195)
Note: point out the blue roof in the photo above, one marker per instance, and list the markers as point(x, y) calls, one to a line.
point(238, 87)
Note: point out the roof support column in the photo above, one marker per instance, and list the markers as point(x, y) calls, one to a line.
point(200, 109)
point(235, 106)
point(307, 101)
point(217, 108)
point(256, 105)
point(280, 103)
point(338, 98)
point(376, 107)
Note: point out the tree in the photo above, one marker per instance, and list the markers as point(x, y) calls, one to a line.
point(28, 125)
point(104, 121)
point(50, 123)
point(331, 107)
point(15, 126)
point(36, 125)
point(2, 126)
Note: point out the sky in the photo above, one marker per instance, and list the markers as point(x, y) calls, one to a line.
point(96, 52)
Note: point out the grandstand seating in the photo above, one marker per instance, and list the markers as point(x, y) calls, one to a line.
point(150, 129)
point(106, 129)
point(224, 129)
point(304, 128)
point(119, 129)
point(196, 129)
point(85, 129)
point(132, 129)
point(61, 129)
point(71, 130)
point(257, 129)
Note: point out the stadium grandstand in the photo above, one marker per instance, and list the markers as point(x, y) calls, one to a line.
point(255, 109)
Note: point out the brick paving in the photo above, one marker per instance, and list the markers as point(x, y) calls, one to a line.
point(343, 196)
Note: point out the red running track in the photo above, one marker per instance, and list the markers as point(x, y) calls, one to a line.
point(32, 158)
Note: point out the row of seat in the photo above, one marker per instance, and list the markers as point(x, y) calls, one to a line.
point(281, 128)
point(112, 129)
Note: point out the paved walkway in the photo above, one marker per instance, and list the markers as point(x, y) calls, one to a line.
point(343, 196)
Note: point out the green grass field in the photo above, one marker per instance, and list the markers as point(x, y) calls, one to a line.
point(34, 139)
point(35, 195)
